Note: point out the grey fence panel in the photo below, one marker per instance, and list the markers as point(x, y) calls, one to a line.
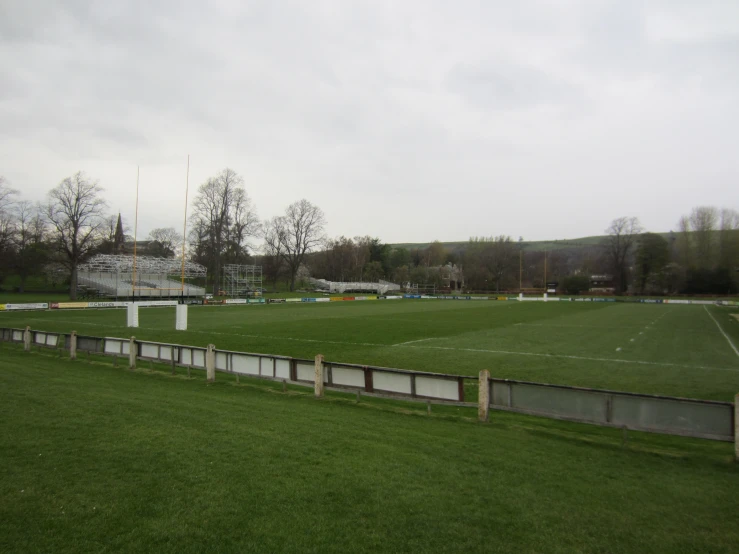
point(88, 344)
point(659, 414)
point(674, 416)
point(17, 335)
point(571, 403)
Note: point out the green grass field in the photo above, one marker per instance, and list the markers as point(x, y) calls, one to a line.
point(95, 458)
point(665, 349)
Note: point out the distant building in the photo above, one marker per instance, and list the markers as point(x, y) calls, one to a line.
point(602, 283)
point(451, 276)
point(119, 239)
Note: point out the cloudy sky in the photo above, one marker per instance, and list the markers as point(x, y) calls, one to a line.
point(407, 120)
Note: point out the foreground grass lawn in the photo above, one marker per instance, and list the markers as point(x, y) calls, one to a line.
point(100, 459)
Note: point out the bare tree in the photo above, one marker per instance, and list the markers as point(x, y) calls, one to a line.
point(273, 249)
point(167, 240)
point(300, 230)
point(729, 239)
point(226, 217)
point(623, 234)
point(30, 230)
point(490, 260)
point(76, 213)
point(703, 222)
point(7, 222)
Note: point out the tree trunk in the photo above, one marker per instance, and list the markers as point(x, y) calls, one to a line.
point(73, 283)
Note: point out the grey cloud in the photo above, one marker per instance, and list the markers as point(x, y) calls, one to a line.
point(397, 107)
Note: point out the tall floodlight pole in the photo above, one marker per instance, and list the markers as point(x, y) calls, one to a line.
point(184, 227)
point(135, 232)
point(520, 270)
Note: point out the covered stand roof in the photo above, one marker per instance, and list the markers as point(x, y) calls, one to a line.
point(118, 263)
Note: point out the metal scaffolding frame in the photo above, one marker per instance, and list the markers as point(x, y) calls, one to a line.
point(241, 280)
point(121, 263)
point(119, 275)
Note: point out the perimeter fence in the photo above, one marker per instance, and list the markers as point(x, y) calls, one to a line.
point(642, 412)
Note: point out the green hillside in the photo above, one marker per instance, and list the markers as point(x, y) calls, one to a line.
point(527, 245)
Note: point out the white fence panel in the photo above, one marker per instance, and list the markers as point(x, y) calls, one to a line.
point(306, 372)
point(149, 350)
point(437, 388)
point(113, 346)
point(347, 377)
point(246, 365)
point(391, 382)
point(198, 358)
point(165, 352)
point(282, 369)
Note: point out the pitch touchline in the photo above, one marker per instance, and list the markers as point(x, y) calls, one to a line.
point(412, 341)
point(722, 331)
point(575, 357)
point(405, 345)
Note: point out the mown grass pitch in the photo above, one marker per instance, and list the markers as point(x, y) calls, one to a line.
point(101, 459)
point(673, 350)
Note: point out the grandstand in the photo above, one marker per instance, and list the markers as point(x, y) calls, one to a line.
point(381, 287)
point(112, 276)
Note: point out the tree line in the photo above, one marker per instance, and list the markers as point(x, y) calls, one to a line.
point(56, 236)
point(73, 223)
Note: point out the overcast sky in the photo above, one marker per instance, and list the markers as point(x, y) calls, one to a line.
point(407, 120)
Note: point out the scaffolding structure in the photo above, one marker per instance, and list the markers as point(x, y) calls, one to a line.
point(242, 280)
point(422, 289)
point(118, 275)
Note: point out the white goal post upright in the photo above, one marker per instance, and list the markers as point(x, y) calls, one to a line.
point(132, 315)
point(180, 309)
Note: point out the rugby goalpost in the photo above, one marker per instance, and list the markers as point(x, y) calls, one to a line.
point(132, 315)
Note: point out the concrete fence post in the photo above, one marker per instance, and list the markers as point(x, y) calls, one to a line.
point(210, 363)
point(318, 387)
point(27, 339)
point(132, 351)
point(736, 427)
point(73, 346)
point(483, 396)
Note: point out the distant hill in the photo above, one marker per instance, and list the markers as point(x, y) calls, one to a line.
point(537, 246)
point(548, 245)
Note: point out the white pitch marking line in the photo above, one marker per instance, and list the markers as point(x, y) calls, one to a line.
point(722, 331)
point(412, 341)
point(662, 364)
